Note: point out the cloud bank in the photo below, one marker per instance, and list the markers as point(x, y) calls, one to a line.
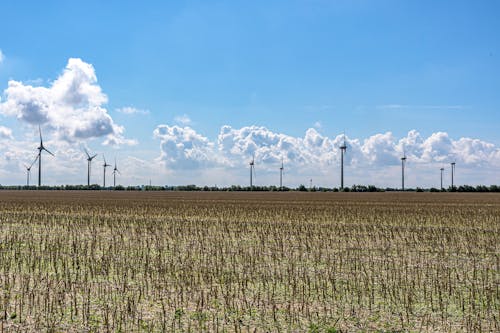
point(189, 157)
point(183, 148)
point(72, 106)
point(234, 146)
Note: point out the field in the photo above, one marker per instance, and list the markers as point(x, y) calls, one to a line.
point(249, 262)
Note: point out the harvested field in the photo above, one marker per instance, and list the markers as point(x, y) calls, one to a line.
point(249, 262)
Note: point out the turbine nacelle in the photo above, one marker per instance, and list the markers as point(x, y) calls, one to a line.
point(89, 158)
point(105, 165)
point(344, 145)
point(115, 169)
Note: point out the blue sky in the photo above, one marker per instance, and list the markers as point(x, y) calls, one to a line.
point(366, 67)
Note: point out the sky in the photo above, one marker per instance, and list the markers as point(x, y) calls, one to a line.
point(188, 92)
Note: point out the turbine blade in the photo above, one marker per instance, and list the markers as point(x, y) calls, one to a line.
point(34, 161)
point(92, 157)
point(86, 152)
point(48, 151)
point(40, 132)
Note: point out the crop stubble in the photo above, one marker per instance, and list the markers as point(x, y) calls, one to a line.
point(175, 261)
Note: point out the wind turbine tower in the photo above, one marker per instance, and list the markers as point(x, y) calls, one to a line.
point(343, 149)
point(40, 149)
point(28, 171)
point(89, 162)
point(115, 170)
point(105, 165)
point(452, 175)
point(252, 171)
point(442, 170)
point(403, 162)
point(281, 175)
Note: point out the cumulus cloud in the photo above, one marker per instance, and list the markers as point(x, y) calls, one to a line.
point(72, 106)
point(1, 56)
point(379, 149)
point(184, 147)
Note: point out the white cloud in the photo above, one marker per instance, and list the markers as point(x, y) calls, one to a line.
point(182, 147)
point(2, 57)
point(183, 119)
point(72, 106)
point(379, 149)
point(371, 160)
point(5, 133)
point(132, 110)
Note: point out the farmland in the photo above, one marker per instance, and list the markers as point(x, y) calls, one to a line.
point(249, 262)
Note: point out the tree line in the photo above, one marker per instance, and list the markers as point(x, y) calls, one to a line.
point(238, 188)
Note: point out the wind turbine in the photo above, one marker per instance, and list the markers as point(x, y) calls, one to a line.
point(452, 174)
point(105, 165)
point(252, 171)
point(403, 162)
point(89, 162)
point(442, 170)
point(281, 174)
point(115, 170)
point(40, 149)
point(343, 149)
point(28, 171)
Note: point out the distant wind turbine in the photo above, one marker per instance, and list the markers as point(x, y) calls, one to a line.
point(442, 170)
point(89, 162)
point(343, 149)
point(28, 171)
point(252, 171)
point(115, 170)
point(105, 165)
point(281, 174)
point(452, 174)
point(40, 149)
point(403, 162)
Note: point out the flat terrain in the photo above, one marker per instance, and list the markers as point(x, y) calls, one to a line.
point(249, 262)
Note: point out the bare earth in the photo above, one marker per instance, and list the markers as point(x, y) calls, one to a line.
point(249, 262)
